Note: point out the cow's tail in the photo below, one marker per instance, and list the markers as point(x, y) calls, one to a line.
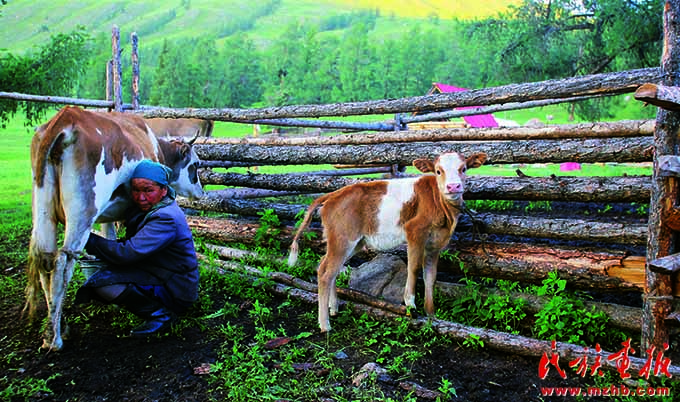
point(294, 250)
point(38, 261)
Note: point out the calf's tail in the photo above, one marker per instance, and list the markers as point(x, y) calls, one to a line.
point(294, 251)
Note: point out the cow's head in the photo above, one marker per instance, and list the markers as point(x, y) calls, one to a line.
point(179, 156)
point(450, 171)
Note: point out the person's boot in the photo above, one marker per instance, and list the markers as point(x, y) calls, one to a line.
point(157, 317)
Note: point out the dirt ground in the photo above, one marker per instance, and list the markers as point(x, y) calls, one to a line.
point(100, 363)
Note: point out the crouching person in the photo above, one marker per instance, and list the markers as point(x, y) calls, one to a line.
point(151, 272)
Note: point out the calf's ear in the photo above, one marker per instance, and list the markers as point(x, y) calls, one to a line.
point(475, 160)
point(424, 165)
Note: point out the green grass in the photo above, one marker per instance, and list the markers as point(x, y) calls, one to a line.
point(15, 165)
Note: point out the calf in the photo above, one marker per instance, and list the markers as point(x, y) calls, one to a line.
point(422, 212)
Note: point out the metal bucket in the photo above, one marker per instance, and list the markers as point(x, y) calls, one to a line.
point(89, 267)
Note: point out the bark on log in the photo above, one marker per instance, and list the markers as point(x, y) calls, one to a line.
point(661, 240)
point(635, 128)
point(492, 223)
point(557, 188)
point(610, 83)
point(659, 95)
point(633, 149)
point(583, 269)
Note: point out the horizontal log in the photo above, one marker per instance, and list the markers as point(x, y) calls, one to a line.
point(591, 230)
point(590, 150)
point(669, 165)
point(637, 128)
point(583, 269)
point(659, 95)
point(610, 83)
point(666, 265)
point(557, 188)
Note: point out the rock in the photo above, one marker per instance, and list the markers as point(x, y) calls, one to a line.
point(384, 276)
point(366, 371)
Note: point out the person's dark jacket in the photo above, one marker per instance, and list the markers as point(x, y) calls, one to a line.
point(157, 249)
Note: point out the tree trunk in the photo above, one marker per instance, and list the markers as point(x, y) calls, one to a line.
point(556, 188)
point(633, 149)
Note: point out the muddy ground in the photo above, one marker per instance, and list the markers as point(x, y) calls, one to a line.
point(100, 363)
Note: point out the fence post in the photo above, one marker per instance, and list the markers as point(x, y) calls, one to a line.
point(117, 70)
point(661, 238)
point(135, 71)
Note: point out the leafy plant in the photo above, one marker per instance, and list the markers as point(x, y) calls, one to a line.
point(565, 317)
point(268, 232)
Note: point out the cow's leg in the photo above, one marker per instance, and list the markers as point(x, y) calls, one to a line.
point(338, 250)
point(429, 277)
point(415, 250)
point(75, 237)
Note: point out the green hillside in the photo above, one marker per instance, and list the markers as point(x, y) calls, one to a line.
point(25, 23)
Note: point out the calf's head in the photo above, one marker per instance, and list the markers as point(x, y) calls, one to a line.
point(450, 171)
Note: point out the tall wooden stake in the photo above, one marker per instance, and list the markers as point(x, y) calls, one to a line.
point(661, 239)
point(117, 70)
point(135, 71)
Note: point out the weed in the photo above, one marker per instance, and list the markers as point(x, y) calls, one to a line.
point(565, 317)
point(473, 341)
point(447, 389)
point(268, 232)
point(25, 388)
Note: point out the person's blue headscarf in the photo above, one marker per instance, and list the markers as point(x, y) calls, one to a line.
point(156, 172)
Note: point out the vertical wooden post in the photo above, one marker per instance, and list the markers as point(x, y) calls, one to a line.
point(661, 239)
point(109, 80)
point(117, 70)
point(135, 71)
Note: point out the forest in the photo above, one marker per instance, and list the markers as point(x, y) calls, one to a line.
point(339, 60)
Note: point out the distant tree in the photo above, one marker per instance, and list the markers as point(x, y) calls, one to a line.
point(53, 69)
point(544, 39)
point(237, 81)
point(357, 66)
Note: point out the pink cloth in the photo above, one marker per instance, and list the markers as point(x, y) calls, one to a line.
point(479, 120)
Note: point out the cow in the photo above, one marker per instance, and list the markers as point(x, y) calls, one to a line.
point(421, 211)
point(180, 127)
point(81, 163)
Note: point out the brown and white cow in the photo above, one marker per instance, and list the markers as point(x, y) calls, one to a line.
point(422, 212)
point(186, 128)
point(81, 164)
